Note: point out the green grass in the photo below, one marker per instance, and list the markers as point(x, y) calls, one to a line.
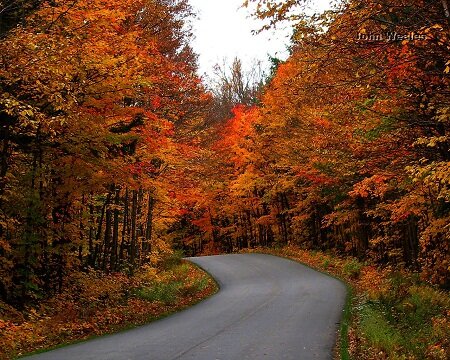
point(377, 330)
point(169, 290)
point(401, 322)
point(352, 268)
point(196, 286)
point(325, 264)
point(181, 270)
point(172, 260)
point(162, 292)
point(345, 323)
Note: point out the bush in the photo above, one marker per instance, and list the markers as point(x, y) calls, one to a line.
point(161, 292)
point(352, 268)
point(325, 264)
point(171, 260)
point(196, 286)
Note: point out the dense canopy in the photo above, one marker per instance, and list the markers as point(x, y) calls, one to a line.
point(112, 153)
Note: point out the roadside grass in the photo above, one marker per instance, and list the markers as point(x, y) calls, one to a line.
point(342, 345)
point(166, 293)
point(412, 319)
point(389, 314)
point(171, 288)
point(96, 305)
point(377, 329)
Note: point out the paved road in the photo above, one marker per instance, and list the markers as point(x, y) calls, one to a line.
point(267, 308)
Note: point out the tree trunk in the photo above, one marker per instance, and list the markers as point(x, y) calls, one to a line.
point(107, 240)
point(133, 230)
point(446, 9)
point(124, 241)
point(4, 156)
point(115, 236)
point(146, 246)
point(98, 248)
point(139, 226)
point(91, 235)
point(81, 229)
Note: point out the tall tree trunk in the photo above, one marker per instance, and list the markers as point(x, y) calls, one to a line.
point(213, 231)
point(81, 229)
point(115, 235)
point(98, 247)
point(446, 9)
point(252, 238)
point(133, 230)
point(124, 241)
point(139, 225)
point(245, 232)
point(4, 157)
point(91, 233)
point(107, 240)
point(146, 246)
point(363, 228)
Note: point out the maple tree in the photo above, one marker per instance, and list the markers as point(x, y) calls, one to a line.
point(112, 151)
point(348, 149)
point(93, 95)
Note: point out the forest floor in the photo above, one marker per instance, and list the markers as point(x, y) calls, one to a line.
point(390, 313)
point(96, 305)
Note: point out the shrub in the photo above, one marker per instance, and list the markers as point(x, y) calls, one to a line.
point(352, 268)
point(161, 292)
point(171, 260)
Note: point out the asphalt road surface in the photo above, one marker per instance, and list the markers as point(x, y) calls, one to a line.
point(267, 308)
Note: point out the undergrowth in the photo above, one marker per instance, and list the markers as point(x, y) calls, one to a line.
point(95, 304)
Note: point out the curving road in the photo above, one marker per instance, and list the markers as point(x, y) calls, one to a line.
point(267, 308)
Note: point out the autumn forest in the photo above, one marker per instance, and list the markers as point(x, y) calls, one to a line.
point(115, 154)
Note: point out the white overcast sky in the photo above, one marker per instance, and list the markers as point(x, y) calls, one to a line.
point(223, 30)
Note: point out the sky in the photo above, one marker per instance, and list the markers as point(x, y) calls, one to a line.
point(223, 31)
